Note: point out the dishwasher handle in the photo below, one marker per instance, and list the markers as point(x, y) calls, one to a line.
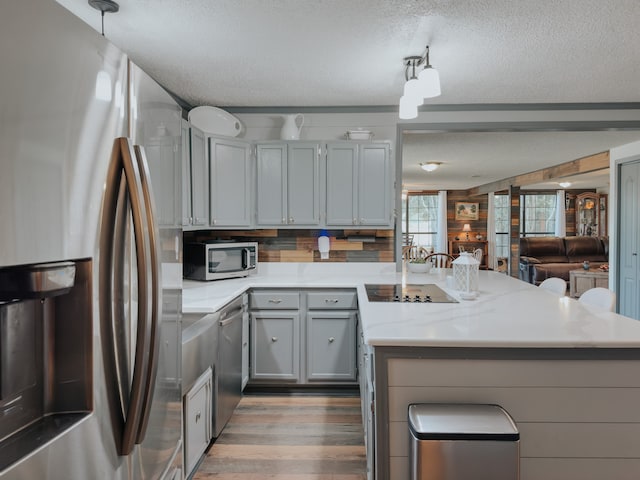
point(230, 316)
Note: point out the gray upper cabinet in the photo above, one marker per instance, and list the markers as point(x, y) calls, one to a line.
point(165, 163)
point(288, 184)
point(342, 193)
point(375, 185)
point(230, 180)
point(187, 217)
point(199, 178)
point(359, 185)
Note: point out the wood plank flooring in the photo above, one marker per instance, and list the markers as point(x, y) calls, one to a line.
point(289, 438)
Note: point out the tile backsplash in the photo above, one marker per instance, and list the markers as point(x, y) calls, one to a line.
point(284, 245)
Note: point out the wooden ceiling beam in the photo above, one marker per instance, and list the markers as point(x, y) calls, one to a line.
point(591, 163)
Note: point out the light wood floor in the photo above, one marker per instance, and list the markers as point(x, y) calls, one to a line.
point(289, 438)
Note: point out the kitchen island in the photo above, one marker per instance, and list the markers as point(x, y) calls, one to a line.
point(567, 374)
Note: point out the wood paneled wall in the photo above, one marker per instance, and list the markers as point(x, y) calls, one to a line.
point(302, 245)
point(454, 227)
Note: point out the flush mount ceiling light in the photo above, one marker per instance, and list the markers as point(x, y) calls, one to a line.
point(565, 184)
point(425, 85)
point(430, 166)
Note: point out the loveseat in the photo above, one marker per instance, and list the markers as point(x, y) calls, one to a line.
point(545, 257)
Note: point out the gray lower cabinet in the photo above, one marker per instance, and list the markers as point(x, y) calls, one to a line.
point(303, 336)
point(367, 401)
point(197, 420)
point(275, 345)
point(331, 345)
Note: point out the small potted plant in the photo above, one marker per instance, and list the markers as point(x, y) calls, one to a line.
point(419, 265)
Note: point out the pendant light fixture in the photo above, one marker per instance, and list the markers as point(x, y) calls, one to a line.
point(105, 6)
point(417, 88)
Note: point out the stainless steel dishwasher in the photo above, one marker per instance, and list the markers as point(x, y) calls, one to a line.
point(228, 374)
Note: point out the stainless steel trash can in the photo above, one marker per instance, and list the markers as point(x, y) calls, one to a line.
point(463, 442)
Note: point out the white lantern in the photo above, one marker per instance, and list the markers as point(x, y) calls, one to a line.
point(465, 274)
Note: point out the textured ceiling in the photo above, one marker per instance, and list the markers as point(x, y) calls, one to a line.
point(337, 52)
point(472, 159)
point(279, 53)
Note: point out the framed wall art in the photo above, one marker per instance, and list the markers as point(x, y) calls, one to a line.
point(467, 211)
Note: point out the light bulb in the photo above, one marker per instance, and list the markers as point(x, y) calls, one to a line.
point(429, 82)
point(413, 90)
point(408, 109)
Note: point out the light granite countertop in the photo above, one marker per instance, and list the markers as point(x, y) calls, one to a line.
point(507, 312)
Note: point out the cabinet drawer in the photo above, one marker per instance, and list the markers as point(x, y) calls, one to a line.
point(332, 299)
point(276, 300)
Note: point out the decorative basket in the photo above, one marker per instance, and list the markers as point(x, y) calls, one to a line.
point(359, 135)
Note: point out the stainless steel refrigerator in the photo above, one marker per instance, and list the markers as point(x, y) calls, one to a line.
point(90, 256)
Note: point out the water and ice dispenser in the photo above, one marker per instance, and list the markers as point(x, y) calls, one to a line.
point(45, 353)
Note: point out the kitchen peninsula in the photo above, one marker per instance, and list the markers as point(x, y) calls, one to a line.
point(567, 374)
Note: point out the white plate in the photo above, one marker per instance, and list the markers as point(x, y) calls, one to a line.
point(215, 121)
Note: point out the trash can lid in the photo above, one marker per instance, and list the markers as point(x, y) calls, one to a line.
point(436, 421)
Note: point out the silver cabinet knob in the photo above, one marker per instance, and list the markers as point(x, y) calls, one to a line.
point(284, 220)
point(275, 300)
point(290, 219)
point(274, 339)
point(198, 417)
point(331, 300)
point(331, 339)
point(355, 221)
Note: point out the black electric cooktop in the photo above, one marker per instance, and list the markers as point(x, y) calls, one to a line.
point(412, 293)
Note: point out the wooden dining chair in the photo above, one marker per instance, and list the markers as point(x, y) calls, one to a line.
point(440, 260)
point(477, 254)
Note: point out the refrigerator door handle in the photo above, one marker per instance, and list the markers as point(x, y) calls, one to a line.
point(125, 412)
point(156, 292)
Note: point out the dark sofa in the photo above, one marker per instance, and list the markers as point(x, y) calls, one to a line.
point(545, 257)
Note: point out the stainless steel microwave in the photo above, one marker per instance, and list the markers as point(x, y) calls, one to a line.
point(217, 260)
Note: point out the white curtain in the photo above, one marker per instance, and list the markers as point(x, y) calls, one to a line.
point(561, 218)
point(491, 232)
point(441, 240)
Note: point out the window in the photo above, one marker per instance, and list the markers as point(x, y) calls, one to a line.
point(420, 218)
point(537, 214)
point(502, 215)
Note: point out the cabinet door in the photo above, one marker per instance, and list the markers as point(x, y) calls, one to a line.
point(163, 156)
point(197, 421)
point(186, 175)
point(303, 184)
point(230, 183)
point(271, 187)
point(199, 178)
point(331, 346)
point(374, 185)
point(275, 340)
point(341, 190)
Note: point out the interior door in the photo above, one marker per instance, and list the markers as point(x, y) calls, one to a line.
point(628, 240)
